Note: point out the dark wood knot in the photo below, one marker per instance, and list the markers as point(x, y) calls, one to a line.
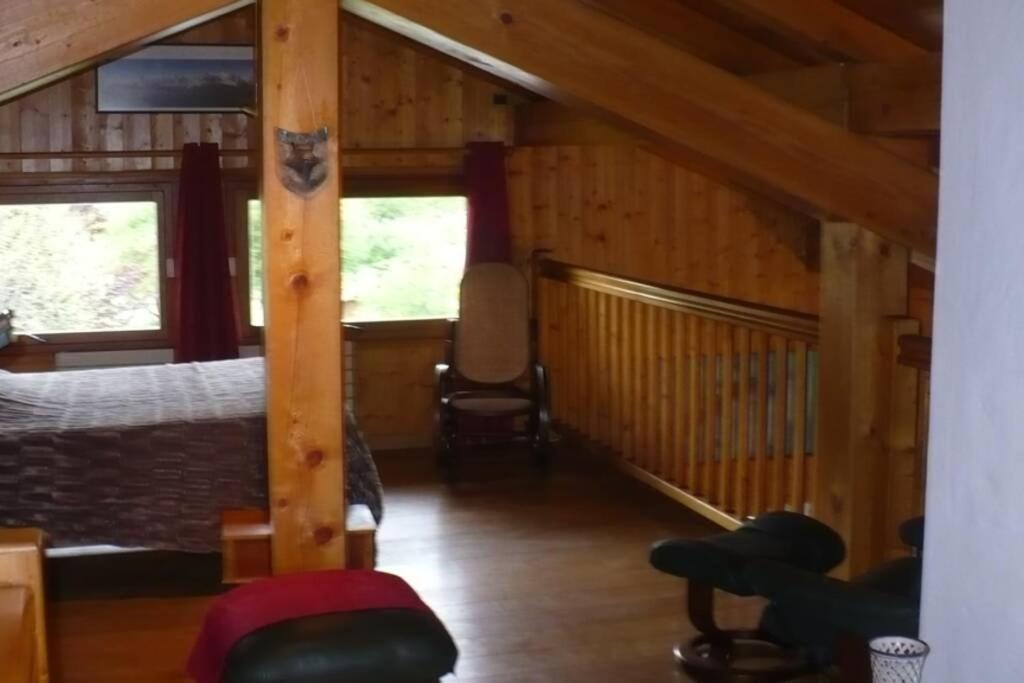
point(506, 18)
point(282, 33)
point(323, 535)
point(314, 458)
point(299, 281)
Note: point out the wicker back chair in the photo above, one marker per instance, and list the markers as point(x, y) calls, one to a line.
point(491, 378)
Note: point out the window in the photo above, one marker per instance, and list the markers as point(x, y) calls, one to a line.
point(90, 266)
point(402, 257)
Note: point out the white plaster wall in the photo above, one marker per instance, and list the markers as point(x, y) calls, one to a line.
point(973, 607)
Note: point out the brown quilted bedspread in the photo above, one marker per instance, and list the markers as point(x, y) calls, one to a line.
point(144, 456)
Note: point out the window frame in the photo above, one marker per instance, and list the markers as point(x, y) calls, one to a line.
point(239, 192)
point(72, 191)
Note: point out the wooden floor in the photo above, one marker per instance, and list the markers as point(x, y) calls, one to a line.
point(537, 579)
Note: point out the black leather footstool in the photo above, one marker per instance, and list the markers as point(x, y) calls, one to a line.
point(396, 646)
point(325, 627)
point(721, 562)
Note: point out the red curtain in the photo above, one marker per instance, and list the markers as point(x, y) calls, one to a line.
point(207, 324)
point(488, 234)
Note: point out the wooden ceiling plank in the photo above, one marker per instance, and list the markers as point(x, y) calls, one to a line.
point(579, 56)
point(698, 34)
point(42, 41)
point(826, 25)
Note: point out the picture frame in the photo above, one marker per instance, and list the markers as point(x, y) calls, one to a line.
point(179, 79)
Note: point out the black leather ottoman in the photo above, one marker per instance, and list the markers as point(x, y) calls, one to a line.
point(393, 646)
point(335, 626)
point(722, 562)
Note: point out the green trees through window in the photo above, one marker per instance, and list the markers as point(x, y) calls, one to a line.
point(85, 267)
point(402, 257)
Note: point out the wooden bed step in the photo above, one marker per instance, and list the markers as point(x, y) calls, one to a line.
point(245, 540)
point(23, 656)
point(17, 635)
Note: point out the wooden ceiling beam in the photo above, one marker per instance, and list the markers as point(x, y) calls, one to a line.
point(827, 27)
point(42, 41)
point(919, 21)
point(699, 35)
point(903, 98)
point(577, 55)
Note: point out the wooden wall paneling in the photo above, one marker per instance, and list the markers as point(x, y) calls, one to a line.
point(780, 384)
point(714, 239)
point(520, 204)
point(726, 463)
point(660, 215)
point(58, 106)
point(402, 97)
point(759, 343)
point(302, 337)
point(10, 136)
point(741, 476)
point(798, 462)
point(394, 390)
point(544, 197)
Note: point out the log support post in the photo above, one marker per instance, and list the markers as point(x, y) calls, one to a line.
point(863, 281)
point(301, 185)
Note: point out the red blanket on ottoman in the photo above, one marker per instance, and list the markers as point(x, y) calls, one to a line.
point(270, 601)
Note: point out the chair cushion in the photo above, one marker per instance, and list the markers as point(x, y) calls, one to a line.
point(492, 405)
point(398, 646)
point(720, 560)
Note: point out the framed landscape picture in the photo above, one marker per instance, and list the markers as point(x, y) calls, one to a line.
point(179, 78)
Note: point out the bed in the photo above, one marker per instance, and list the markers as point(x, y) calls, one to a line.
point(144, 456)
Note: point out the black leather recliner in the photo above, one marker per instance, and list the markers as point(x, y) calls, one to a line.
point(784, 557)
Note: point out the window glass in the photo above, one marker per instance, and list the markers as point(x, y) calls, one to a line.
point(402, 257)
point(82, 267)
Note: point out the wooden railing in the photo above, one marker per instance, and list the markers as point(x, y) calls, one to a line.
point(710, 400)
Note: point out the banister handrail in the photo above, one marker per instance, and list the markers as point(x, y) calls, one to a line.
point(791, 324)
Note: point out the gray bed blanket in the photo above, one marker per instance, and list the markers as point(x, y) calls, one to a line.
point(144, 456)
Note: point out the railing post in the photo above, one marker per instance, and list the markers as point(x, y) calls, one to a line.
point(904, 472)
point(863, 280)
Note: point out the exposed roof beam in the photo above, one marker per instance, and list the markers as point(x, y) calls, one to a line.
point(580, 56)
point(919, 21)
point(825, 26)
point(42, 41)
point(698, 34)
point(901, 98)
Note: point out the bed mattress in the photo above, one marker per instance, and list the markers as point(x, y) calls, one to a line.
point(144, 456)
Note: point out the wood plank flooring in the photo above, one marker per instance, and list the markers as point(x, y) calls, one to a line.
point(538, 579)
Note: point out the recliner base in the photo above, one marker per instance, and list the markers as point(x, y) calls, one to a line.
point(743, 656)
